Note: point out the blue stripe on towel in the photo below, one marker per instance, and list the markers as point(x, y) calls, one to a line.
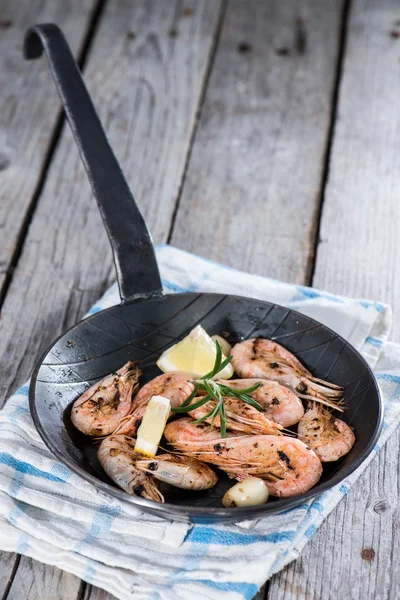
point(247, 590)
point(22, 391)
point(205, 535)
point(310, 531)
point(89, 573)
point(102, 520)
point(368, 303)
point(23, 544)
point(174, 287)
point(374, 342)
point(26, 468)
point(388, 377)
point(304, 292)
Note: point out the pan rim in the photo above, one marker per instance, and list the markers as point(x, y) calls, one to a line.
point(189, 512)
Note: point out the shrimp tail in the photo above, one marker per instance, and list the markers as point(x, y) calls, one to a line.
point(324, 391)
point(334, 404)
point(327, 384)
point(150, 491)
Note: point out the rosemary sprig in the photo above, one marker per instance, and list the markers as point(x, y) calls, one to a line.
point(217, 392)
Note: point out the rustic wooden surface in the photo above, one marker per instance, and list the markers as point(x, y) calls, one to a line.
point(266, 115)
point(227, 123)
point(36, 580)
point(8, 565)
point(29, 118)
point(358, 255)
point(29, 111)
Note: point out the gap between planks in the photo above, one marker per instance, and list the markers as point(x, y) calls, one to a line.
point(53, 141)
point(31, 573)
point(334, 112)
point(205, 83)
point(344, 21)
point(357, 546)
point(55, 135)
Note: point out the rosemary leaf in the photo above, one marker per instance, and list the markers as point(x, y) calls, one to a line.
point(187, 408)
point(248, 390)
point(217, 364)
point(215, 413)
point(202, 419)
point(222, 420)
point(251, 401)
point(192, 395)
point(209, 389)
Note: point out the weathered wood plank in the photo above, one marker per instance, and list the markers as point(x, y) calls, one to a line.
point(144, 71)
point(34, 580)
point(358, 545)
point(29, 110)
point(360, 223)
point(8, 565)
point(252, 189)
point(27, 122)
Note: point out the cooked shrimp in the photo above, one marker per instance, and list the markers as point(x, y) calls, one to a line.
point(279, 403)
point(102, 407)
point(180, 471)
point(174, 386)
point(288, 466)
point(330, 438)
point(239, 417)
point(265, 359)
point(135, 474)
point(117, 457)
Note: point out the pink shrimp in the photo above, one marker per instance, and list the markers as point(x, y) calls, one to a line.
point(100, 409)
point(287, 465)
point(174, 386)
point(117, 457)
point(135, 474)
point(265, 359)
point(279, 403)
point(239, 417)
point(330, 438)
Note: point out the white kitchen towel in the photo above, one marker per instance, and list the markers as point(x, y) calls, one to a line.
point(50, 514)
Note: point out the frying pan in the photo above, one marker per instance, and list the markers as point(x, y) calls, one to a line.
point(146, 322)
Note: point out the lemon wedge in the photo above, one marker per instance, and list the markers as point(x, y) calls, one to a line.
point(195, 355)
point(152, 426)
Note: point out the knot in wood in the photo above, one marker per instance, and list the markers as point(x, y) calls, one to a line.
point(368, 554)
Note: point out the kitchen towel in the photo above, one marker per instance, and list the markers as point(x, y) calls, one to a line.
point(50, 514)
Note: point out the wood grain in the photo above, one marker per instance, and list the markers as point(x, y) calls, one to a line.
point(252, 189)
point(27, 122)
point(146, 84)
point(28, 110)
point(360, 227)
point(145, 71)
point(8, 564)
point(357, 547)
point(34, 580)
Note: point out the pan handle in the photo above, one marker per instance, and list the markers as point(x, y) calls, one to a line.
point(134, 257)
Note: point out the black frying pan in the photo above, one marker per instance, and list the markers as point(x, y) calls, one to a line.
point(146, 322)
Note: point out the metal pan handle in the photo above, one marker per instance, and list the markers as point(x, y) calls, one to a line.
point(134, 258)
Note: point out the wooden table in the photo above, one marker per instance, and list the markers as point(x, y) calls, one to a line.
point(262, 134)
